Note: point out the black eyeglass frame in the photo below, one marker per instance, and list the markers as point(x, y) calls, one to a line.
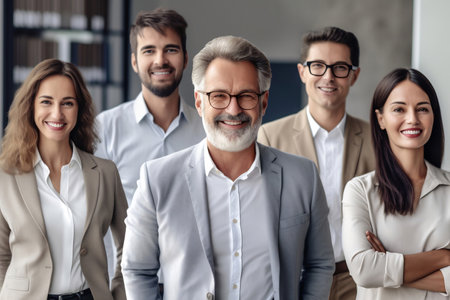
point(350, 68)
point(231, 96)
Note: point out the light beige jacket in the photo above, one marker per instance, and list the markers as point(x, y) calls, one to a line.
point(25, 259)
point(292, 134)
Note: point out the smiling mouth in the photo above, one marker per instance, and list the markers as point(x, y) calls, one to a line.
point(55, 125)
point(327, 89)
point(232, 123)
point(411, 132)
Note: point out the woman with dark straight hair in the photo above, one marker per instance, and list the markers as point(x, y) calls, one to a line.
point(57, 200)
point(396, 219)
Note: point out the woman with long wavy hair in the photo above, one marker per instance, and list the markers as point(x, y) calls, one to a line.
point(396, 219)
point(57, 199)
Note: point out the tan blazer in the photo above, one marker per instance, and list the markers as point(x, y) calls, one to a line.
point(25, 259)
point(292, 134)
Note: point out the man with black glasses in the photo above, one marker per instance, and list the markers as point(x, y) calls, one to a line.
point(338, 143)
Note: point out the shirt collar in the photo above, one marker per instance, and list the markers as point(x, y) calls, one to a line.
point(141, 109)
point(211, 167)
point(74, 159)
point(315, 127)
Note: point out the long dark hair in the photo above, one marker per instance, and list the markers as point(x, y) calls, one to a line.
point(395, 188)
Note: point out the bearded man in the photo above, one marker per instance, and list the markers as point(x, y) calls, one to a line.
point(229, 218)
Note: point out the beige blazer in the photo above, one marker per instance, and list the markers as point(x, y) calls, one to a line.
point(25, 259)
point(292, 134)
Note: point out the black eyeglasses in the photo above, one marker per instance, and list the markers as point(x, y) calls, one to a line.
point(221, 100)
point(339, 70)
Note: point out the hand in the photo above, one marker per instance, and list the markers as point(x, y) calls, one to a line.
point(375, 242)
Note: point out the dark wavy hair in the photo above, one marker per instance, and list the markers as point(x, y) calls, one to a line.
point(395, 187)
point(159, 19)
point(22, 135)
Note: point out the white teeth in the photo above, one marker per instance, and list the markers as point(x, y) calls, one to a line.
point(161, 73)
point(232, 122)
point(325, 89)
point(57, 125)
point(411, 131)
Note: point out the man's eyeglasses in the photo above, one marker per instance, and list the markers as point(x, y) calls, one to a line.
point(221, 100)
point(339, 70)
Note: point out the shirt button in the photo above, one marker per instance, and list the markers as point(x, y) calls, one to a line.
point(234, 221)
point(233, 188)
point(236, 253)
point(209, 296)
point(234, 286)
point(83, 251)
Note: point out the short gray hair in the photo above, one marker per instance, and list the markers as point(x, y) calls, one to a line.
point(235, 49)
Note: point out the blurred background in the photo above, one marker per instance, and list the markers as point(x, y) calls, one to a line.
point(94, 35)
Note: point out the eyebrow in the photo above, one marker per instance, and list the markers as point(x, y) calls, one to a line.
point(146, 47)
point(404, 103)
point(240, 92)
point(337, 62)
point(50, 97)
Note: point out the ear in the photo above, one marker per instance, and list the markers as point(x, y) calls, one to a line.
point(355, 75)
point(265, 102)
point(198, 102)
point(380, 119)
point(134, 62)
point(301, 71)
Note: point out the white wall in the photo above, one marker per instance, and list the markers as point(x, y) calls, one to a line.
point(431, 55)
point(383, 27)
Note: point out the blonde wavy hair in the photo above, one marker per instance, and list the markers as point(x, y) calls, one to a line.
point(22, 135)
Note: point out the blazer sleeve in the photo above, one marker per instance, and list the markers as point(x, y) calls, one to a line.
point(140, 262)
point(369, 268)
point(117, 227)
point(318, 267)
point(5, 251)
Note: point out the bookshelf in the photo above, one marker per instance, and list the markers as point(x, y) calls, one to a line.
point(91, 34)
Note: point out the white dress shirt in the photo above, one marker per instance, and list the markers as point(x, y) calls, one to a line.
point(330, 155)
point(129, 137)
point(241, 254)
point(380, 275)
point(64, 216)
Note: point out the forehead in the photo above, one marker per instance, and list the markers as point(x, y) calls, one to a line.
point(56, 84)
point(407, 92)
point(231, 76)
point(329, 52)
point(150, 37)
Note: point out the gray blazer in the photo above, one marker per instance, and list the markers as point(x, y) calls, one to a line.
point(168, 228)
point(25, 259)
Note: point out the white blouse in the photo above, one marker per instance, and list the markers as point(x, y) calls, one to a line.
point(380, 275)
point(65, 217)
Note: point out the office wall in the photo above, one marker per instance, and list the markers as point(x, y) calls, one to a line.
point(384, 29)
point(431, 49)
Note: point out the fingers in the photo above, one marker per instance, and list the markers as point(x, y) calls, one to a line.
point(375, 242)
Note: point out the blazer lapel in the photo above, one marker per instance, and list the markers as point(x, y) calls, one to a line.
point(272, 174)
point(195, 178)
point(28, 190)
point(91, 181)
point(352, 149)
point(303, 138)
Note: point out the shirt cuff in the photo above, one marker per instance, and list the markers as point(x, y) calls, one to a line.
point(393, 276)
point(446, 273)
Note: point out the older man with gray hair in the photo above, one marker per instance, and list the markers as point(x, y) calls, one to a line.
point(229, 218)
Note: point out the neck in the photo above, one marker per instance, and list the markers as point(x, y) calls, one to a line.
point(328, 119)
point(413, 163)
point(163, 109)
point(232, 164)
point(54, 154)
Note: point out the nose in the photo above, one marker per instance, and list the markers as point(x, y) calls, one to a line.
point(328, 74)
point(234, 108)
point(160, 58)
point(412, 117)
point(57, 111)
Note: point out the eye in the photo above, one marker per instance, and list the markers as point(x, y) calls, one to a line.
point(317, 65)
point(45, 102)
point(248, 96)
point(148, 51)
point(397, 109)
point(68, 103)
point(423, 109)
point(218, 96)
point(173, 50)
point(341, 68)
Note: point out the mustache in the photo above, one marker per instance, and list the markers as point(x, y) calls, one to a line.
point(240, 117)
point(164, 66)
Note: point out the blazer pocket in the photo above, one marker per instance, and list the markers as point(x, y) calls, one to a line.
point(294, 221)
point(17, 283)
